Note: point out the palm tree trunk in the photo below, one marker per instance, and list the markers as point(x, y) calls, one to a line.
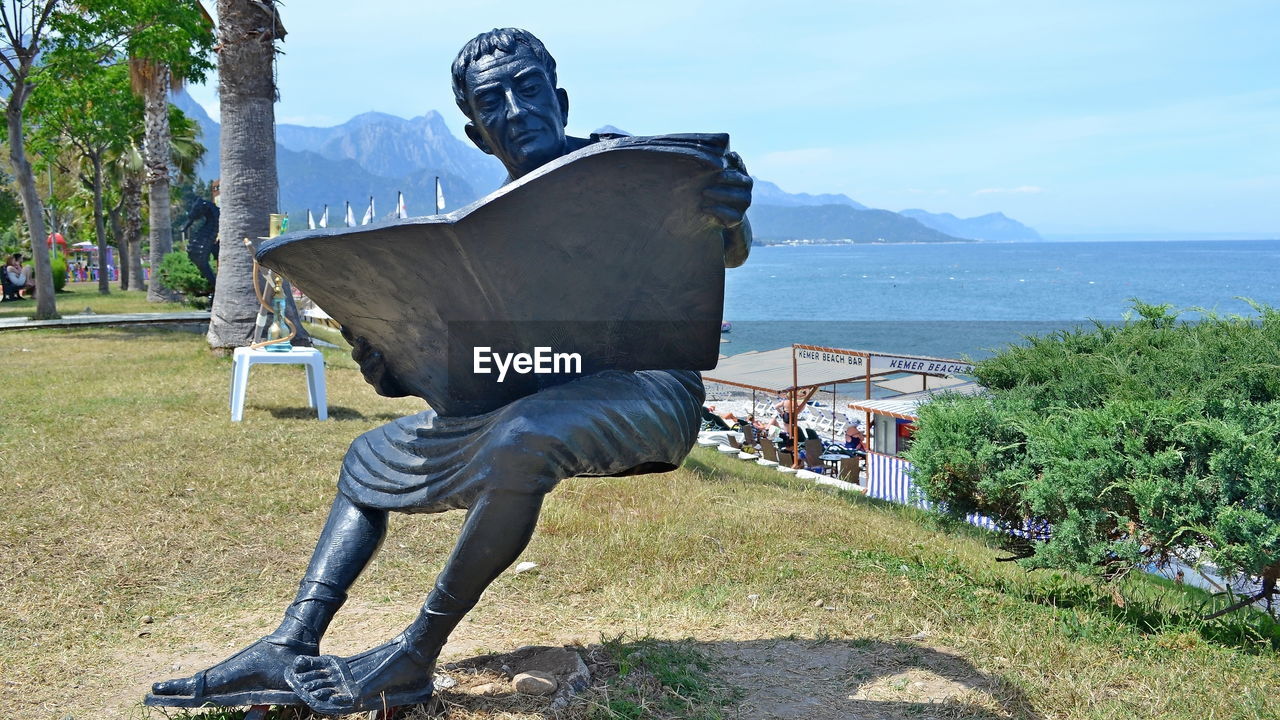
point(246, 86)
point(104, 280)
point(131, 192)
point(122, 247)
point(46, 305)
point(156, 158)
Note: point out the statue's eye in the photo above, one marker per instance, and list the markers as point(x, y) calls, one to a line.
point(529, 89)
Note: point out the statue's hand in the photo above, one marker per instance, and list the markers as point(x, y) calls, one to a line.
point(373, 366)
point(728, 195)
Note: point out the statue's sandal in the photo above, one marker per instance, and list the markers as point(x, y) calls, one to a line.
point(249, 690)
point(414, 678)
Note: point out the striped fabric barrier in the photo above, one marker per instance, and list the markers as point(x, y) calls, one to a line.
point(889, 478)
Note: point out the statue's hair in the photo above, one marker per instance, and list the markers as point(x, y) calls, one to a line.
point(508, 40)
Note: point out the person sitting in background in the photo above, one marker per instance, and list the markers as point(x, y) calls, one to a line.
point(20, 276)
point(712, 421)
point(853, 439)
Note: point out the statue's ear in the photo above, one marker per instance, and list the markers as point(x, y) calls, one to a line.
point(563, 97)
point(474, 133)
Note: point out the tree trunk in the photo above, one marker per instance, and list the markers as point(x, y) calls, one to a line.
point(246, 86)
point(156, 158)
point(131, 197)
point(46, 304)
point(122, 247)
point(99, 227)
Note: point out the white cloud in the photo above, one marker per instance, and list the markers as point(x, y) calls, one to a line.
point(1020, 190)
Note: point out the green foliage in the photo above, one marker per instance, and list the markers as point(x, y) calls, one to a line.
point(10, 207)
point(58, 265)
point(1137, 443)
point(176, 33)
point(89, 108)
point(178, 272)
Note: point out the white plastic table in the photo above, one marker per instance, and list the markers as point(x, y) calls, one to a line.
point(244, 358)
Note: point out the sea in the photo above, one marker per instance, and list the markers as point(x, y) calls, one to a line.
point(968, 300)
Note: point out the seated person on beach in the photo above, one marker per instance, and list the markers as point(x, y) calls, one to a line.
point(20, 277)
point(853, 439)
point(497, 466)
point(712, 421)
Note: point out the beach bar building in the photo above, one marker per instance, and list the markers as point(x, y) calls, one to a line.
point(893, 420)
point(798, 372)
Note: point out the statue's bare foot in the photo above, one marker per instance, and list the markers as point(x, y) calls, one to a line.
point(255, 675)
point(389, 675)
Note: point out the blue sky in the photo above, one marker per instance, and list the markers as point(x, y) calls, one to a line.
point(1073, 117)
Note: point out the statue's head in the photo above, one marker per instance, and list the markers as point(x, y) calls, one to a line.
point(505, 83)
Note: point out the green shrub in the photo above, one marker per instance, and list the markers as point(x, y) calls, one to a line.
point(1117, 446)
point(58, 265)
point(177, 272)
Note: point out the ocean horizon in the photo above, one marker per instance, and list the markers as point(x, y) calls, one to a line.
point(970, 299)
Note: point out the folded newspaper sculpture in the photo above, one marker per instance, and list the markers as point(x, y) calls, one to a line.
point(604, 254)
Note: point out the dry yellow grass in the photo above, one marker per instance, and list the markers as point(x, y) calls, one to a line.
point(127, 492)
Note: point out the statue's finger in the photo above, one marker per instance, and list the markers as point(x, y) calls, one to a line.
point(734, 160)
point(361, 351)
point(727, 195)
point(728, 216)
point(734, 178)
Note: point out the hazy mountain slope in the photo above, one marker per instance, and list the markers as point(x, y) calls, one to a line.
point(992, 226)
point(379, 154)
point(835, 223)
point(766, 193)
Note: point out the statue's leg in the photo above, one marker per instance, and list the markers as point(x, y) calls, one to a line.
point(199, 251)
point(349, 540)
point(496, 531)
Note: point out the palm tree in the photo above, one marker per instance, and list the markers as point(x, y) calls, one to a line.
point(248, 30)
point(166, 49)
point(152, 81)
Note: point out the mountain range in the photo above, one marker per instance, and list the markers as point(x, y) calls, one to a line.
point(375, 155)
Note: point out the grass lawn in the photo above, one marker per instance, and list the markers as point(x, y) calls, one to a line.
point(79, 295)
point(146, 536)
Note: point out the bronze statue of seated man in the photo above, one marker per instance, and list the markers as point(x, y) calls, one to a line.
point(497, 466)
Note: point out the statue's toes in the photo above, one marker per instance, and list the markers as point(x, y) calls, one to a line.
point(330, 695)
point(315, 686)
point(311, 676)
point(176, 686)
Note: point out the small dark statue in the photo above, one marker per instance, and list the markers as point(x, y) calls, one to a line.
point(497, 466)
point(204, 243)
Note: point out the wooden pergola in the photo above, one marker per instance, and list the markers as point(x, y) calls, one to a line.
point(799, 371)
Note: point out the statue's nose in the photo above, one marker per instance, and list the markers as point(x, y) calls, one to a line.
point(515, 108)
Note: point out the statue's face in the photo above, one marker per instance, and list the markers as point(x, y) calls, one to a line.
point(517, 115)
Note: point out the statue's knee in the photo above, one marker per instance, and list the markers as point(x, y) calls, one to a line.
point(522, 447)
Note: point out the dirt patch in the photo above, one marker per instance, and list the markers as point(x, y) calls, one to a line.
point(837, 680)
